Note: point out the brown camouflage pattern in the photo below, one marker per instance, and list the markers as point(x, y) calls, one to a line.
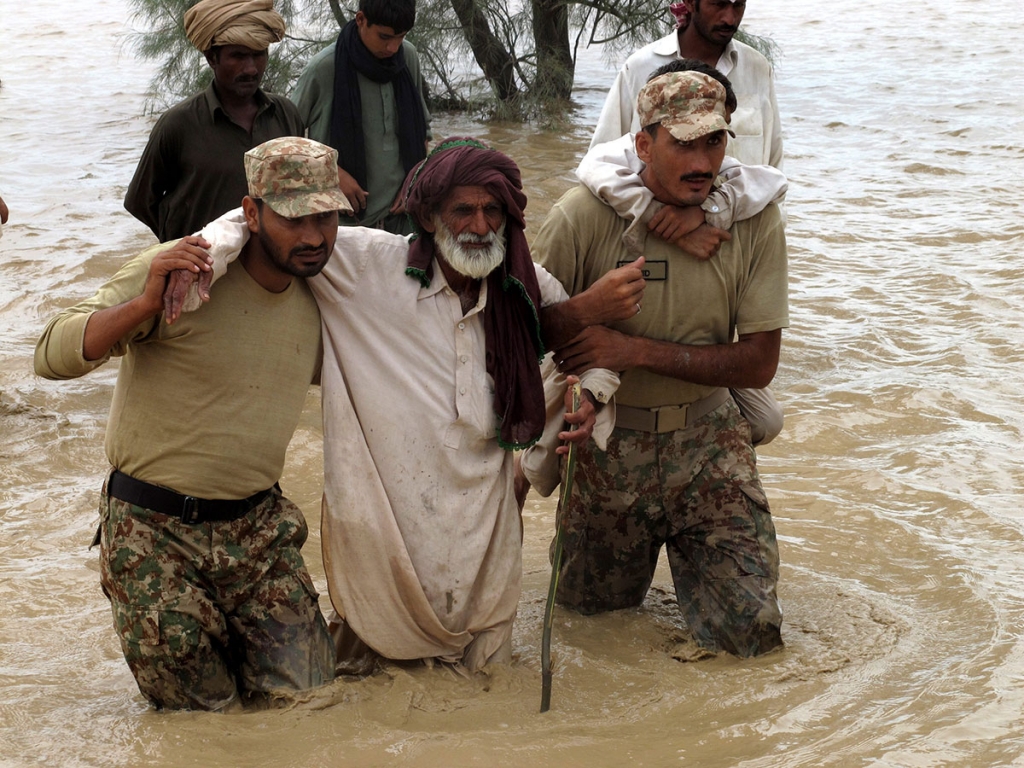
point(696, 491)
point(295, 177)
point(213, 613)
point(688, 104)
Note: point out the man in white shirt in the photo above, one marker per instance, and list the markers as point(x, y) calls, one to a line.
point(705, 32)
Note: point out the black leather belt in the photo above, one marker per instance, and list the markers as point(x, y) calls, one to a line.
point(188, 509)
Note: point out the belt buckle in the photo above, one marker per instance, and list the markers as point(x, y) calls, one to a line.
point(190, 510)
point(669, 418)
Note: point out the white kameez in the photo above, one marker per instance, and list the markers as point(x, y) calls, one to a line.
point(420, 526)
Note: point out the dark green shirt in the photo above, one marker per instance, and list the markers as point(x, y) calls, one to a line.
point(192, 169)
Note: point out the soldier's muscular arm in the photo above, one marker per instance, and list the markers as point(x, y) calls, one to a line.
point(749, 362)
point(107, 326)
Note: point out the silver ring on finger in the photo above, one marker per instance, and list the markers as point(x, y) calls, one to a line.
point(638, 307)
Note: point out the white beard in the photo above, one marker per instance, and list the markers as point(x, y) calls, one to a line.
point(475, 263)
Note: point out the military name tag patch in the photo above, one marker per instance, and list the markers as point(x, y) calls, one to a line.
point(653, 270)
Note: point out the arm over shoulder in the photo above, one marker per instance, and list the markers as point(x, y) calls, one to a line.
point(611, 171)
point(742, 191)
point(59, 353)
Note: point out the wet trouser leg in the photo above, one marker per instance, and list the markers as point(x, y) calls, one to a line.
point(273, 606)
point(697, 490)
point(613, 525)
point(722, 549)
point(205, 612)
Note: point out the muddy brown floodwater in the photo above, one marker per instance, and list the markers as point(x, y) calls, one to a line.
point(896, 485)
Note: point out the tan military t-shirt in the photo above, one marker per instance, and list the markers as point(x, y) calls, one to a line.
point(206, 406)
point(741, 290)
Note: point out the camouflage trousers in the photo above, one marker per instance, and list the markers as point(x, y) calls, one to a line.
point(213, 612)
point(696, 491)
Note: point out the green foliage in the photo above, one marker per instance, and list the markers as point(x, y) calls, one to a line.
point(621, 26)
point(454, 78)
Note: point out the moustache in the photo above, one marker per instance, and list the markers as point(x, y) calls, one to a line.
point(469, 238)
point(696, 177)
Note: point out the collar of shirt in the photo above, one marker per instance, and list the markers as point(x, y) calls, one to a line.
point(669, 46)
point(213, 103)
point(439, 283)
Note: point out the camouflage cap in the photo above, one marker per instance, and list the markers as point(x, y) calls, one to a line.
point(295, 177)
point(689, 104)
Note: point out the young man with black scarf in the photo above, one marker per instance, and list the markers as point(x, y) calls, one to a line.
point(364, 96)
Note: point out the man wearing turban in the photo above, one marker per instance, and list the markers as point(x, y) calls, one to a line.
point(191, 170)
point(430, 380)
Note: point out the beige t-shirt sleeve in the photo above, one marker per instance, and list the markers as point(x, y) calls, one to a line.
point(59, 351)
point(764, 299)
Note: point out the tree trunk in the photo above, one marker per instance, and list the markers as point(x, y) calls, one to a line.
point(338, 13)
point(555, 67)
point(497, 64)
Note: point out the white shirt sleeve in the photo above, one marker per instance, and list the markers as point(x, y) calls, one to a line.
point(611, 171)
point(742, 191)
point(226, 236)
point(618, 110)
point(539, 461)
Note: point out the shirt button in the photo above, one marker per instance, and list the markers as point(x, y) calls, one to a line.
point(462, 390)
point(714, 209)
point(463, 358)
point(462, 326)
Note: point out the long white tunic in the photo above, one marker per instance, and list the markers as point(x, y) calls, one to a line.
point(420, 527)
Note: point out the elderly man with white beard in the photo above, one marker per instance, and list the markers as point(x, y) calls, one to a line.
point(430, 381)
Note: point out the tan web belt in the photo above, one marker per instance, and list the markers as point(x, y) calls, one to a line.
point(668, 418)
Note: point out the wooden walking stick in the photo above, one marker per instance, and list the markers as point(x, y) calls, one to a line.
point(556, 562)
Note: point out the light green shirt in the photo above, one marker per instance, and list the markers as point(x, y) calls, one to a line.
point(314, 96)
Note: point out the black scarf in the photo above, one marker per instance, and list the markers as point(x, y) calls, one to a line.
point(352, 57)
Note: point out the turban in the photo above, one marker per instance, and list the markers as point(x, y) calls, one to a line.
point(252, 23)
point(511, 316)
point(682, 15)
